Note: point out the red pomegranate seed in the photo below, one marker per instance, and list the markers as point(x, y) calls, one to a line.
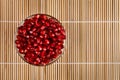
point(46, 36)
point(37, 16)
point(34, 34)
point(37, 24)
point(43, 32)
point(42, 54)
point(41, 36)
point(52, 35)
point(30, 32)
point(36, 63)
point(55, 30)
point(20, 31)
point(52, 44)
point(34, 29)
point(29, 46)
point(42, 27)
point(24, 31)
point(17, 41)
point(35, 44)
point(51, 20)
point(44, 48)
point(38, 53)
point(47, 24)
point(59, 46)
point(60, 43)
point(63, 32)
point(27, 36)
point(52, 53)
point(38, 60)
point(54, 39)
point(51, 49)
point(19, 37)
point(21, 51)
point(28, 27)
point(55, 55)
point(38, 40)
point(18, 45)
point(53, 25)
point(46, 61)
point(39, 48)
point(25, 50)
point(46, 42)
point(48, 56)
point(43, 16)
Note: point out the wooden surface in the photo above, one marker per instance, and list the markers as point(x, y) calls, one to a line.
point(92, 50)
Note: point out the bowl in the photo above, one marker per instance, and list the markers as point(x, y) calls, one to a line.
point(40, 39)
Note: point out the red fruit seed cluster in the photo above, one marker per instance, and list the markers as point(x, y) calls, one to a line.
point(40, 39)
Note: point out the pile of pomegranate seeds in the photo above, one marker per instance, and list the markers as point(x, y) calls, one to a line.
point(40, 39)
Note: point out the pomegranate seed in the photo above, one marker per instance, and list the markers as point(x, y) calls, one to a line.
point(38, 53)
point(51, 20)
point(43, 16)
point(29, 27)
point(43, 32)
point(42, 54)
point(30, 32)
point(41, 36)
point(51, 49)
point(43, 21)
point(38, 40)
point(63, 32)
point(24, 31)
point(44, 48)
point(46, 41)
point(54, 39)
point(55, 56)
point(48, 56)
point(19, 37)
point(25, 50)
point(59, 52)
point(39, 48)
point(52, 44)
point(29, 46)
point(17, 41)
point(37, 24)
point(34, 29)
point(27, 36)
point(36, 63)
point(45, 36)
point(46, 61)
point(59, 46)
point(37, 16)
point(21, 50)
point(35, 34)
point(18, 46)
point(55, 29)
point(35, 44)
point(52, 35)
point(38, 60)
point(20, 31)
point(52, 53)
point(47, 24)
point(60, 43)
point(42, 27)
point(53, 25)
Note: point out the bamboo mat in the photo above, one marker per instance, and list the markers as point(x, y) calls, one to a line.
point(92, 50)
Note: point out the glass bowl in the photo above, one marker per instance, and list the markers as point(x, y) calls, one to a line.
point(42, 52)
